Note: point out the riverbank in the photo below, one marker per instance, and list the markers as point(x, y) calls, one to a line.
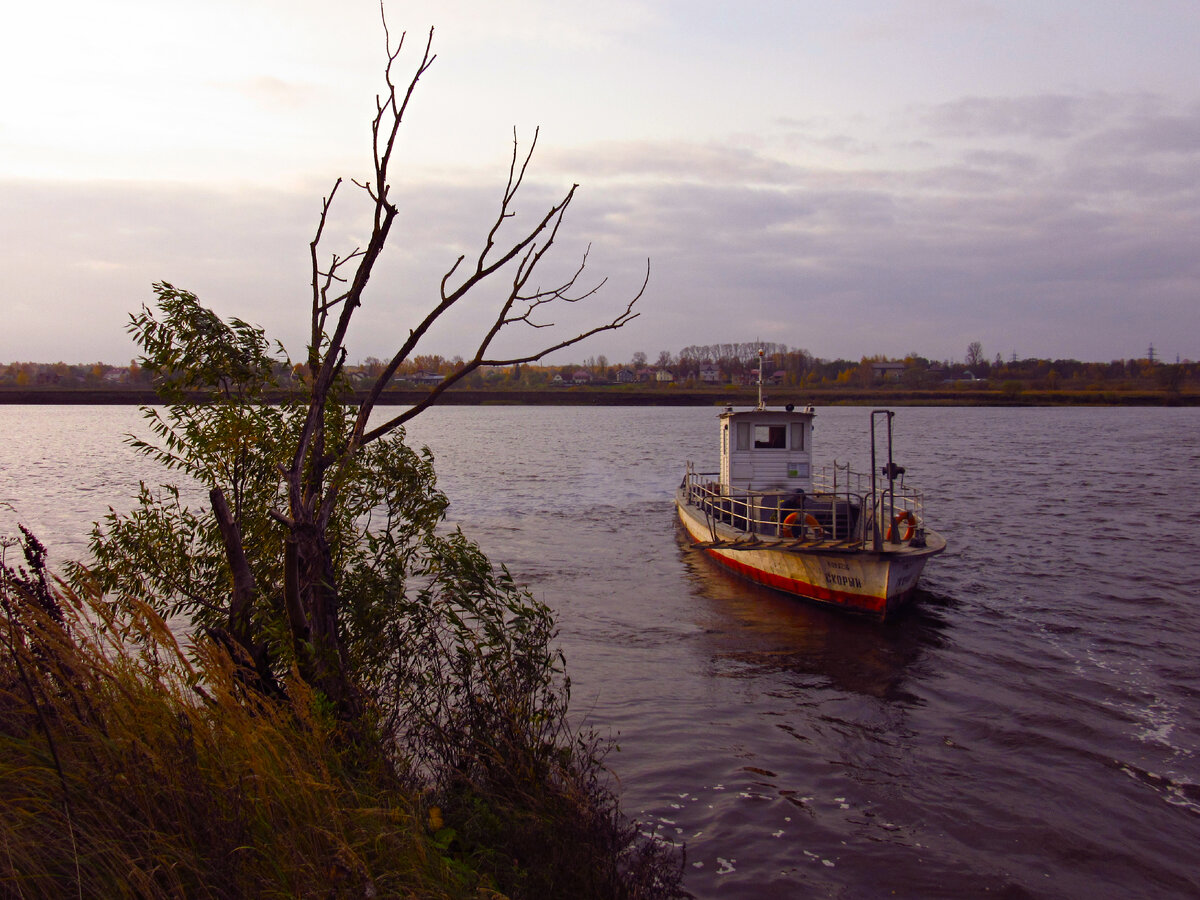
point(624, 395)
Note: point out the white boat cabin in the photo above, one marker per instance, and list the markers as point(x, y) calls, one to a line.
point(767, 449)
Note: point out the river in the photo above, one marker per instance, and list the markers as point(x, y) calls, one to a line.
point(1029, 728)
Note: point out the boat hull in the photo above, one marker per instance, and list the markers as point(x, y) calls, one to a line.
point(864, 581)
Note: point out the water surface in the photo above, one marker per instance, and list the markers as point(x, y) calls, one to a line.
point(1029, 729)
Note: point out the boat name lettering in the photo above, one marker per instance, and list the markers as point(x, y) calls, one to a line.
point(837, 578)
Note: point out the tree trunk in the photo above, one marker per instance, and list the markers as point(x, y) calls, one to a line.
point(313, 611)
point(244, 588)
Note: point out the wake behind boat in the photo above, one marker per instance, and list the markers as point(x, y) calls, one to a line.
point(845, 538)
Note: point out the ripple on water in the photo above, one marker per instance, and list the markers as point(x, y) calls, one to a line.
point(1030, 729)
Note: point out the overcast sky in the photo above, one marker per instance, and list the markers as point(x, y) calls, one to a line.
point(852, 178)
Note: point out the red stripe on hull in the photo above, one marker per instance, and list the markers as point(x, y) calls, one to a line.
point(858, 602)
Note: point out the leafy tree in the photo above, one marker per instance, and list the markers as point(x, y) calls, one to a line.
point(319, 554)
point(319, 514)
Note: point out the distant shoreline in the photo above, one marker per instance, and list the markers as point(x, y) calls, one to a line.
point(659, 396)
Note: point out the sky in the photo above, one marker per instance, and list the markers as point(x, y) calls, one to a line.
point(853, 178)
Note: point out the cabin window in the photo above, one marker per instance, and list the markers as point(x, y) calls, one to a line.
point(770, 437)
point(798, 430)
point(743, 435)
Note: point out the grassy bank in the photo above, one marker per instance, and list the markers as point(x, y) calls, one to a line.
point(132, 766)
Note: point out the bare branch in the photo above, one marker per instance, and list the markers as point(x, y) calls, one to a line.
point(479, 360)
point(510, 190)
point(328, 349)
point(286, 521)
point(316, 472)
point(317, 290)
point(483, 270)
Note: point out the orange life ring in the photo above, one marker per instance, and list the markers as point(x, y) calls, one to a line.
point(810, 524)
point(907, 517)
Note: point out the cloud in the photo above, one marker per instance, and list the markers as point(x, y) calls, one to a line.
point(914, 19)
point(1082, 245)
point(1041, 117)
point(667, 161)
point(1051, 251)
point(1145, 134)
point(80, 257)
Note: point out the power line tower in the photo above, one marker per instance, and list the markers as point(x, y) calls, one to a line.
point(1150, 354)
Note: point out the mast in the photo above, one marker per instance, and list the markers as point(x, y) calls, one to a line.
point(761, 405)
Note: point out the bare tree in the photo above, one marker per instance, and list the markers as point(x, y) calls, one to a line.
point(974, 354)
point(321, 461)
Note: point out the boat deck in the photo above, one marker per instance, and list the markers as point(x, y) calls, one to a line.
point(833, 520)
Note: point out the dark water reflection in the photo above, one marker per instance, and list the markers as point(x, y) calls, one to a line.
point(766, 632)
point(1030, 728)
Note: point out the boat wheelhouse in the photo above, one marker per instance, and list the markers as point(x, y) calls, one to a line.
point(854, 540)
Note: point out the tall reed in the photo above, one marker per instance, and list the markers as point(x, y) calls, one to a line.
point(129, 768)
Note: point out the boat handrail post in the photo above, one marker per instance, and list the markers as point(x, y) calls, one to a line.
point(890, 494)
point(891, 469)
point(834, 506)
point(876, 537)
point(876, 540)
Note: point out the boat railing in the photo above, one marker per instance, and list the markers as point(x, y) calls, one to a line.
point(842, 508)
point(892, 506)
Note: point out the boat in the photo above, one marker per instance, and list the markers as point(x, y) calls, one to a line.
point(848, 539)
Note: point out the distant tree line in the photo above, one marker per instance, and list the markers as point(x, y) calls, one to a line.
point(726, 364)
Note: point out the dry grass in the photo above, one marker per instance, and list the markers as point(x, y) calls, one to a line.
point(129, 770)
